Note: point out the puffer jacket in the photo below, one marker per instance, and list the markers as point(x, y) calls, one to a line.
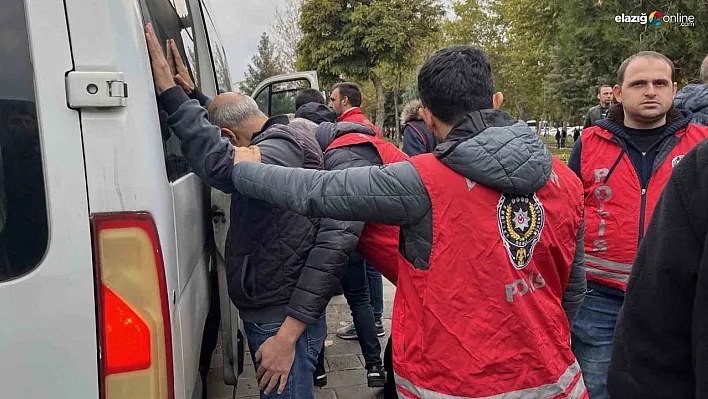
point(279, 263)
point(694, 98)
point(488, 147)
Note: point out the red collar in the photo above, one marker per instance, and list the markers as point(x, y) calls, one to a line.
point(350, 112)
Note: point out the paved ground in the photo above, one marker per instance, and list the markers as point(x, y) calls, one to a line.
point(345, 366)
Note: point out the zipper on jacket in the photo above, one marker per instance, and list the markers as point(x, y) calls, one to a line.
point(642, 211)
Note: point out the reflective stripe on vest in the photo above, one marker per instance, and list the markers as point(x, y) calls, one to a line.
point(564, 383)
point(606, 269)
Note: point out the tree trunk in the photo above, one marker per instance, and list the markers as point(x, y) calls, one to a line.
point(380, 102)
point(397, 133)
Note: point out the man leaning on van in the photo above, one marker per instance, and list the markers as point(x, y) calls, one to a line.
point(281, 273)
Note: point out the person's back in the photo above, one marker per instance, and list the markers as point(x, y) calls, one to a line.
point(485, 297)
point(694, 97)
point(417, 138)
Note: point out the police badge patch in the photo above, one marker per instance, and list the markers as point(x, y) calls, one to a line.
point(521, 221)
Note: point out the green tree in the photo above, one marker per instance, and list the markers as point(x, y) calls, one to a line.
point(263, 65)
point(355, 38)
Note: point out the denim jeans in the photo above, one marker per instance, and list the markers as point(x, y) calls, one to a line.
point(591, 337)
point(375, 282)
point(356, 291)
point(307, 349)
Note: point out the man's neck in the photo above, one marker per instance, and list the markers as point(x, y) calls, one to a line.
point(641, 125)
point(604, 106)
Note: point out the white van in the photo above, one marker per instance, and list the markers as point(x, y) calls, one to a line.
point(106, 238)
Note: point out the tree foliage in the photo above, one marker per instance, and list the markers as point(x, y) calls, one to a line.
point(285, 31)
point(550, 56)
point(354, 39)
point(266, 63)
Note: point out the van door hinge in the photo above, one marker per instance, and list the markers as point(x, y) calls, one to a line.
point(96, 89)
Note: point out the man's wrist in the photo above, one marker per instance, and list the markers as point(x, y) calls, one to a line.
point(291, 330)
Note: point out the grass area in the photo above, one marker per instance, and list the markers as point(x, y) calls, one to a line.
point(562, 153)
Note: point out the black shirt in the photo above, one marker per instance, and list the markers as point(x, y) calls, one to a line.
point(603, 111)
point(644, 139)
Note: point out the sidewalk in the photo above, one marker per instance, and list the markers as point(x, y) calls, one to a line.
point(345, 365)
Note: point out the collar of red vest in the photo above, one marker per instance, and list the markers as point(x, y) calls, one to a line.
point(613, 125)
point(327, 132)
point(350, 112)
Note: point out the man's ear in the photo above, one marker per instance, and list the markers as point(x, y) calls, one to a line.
point(427, 117)
point(675, 90)
point(230, 135)
point(497, 100)
point(617, 91)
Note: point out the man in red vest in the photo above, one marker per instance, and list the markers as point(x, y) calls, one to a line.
point(345, 100)
point(624, 162)
point(490, 273)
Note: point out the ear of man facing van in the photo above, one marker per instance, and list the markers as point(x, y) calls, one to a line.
point(282, 268)
point(487, 280)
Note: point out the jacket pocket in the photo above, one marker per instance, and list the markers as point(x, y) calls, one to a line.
point(247, 280)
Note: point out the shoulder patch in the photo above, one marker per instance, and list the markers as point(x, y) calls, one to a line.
point(521, 220)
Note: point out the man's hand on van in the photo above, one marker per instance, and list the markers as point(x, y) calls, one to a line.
point(251, 154)
point(182, 76)
point(160, 68)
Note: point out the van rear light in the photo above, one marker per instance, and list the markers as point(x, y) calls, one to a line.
point(135, 339)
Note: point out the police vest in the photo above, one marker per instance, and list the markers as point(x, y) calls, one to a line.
point(486, 319)
point(378, 243)
point(617, 208)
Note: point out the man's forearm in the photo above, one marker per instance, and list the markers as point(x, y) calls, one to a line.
point(393, 194)
point(209, 155)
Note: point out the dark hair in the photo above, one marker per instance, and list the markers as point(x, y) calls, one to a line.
point(644, 54)
point(350, 90)
point(599, 89)
point(456, 81)
point(306, 96)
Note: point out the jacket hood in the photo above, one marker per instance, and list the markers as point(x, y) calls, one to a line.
point(492, 148)
point(327, 132)
point(410, 112)
point(316, 112)
point(693, 97)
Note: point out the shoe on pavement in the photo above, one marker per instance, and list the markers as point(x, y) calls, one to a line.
point(320, 378)
point(376, 377)
point(380, 332)
point(347, 332)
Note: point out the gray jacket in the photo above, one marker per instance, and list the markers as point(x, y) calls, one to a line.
point(279, 263)
point(694, 98)
point(488, 147)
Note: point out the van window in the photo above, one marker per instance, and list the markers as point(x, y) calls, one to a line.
point(218, 56)
point(172, 19)
point(23, 209)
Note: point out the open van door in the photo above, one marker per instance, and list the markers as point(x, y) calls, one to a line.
point(274, 96)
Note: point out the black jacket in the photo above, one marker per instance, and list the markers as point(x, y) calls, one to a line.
point(694, 98)
point(317, 113)
point(278, 265)
point(417, 138)
point(488, 147)
point(660, 348)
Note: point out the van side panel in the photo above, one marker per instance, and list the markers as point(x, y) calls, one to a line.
point(48, 334)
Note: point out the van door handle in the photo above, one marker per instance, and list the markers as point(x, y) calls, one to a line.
point(217, 215)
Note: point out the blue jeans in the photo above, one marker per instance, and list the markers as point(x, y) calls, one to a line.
point(356, 291)
point(375, 282)
point(307, 349)
point(591, 337)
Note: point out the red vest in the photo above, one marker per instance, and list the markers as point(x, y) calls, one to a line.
point(354, 115)
point(486, 318)
point(378, 243)
point(615, 207)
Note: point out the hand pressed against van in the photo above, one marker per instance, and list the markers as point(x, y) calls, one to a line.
point(181, 73)
point(161, 73)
